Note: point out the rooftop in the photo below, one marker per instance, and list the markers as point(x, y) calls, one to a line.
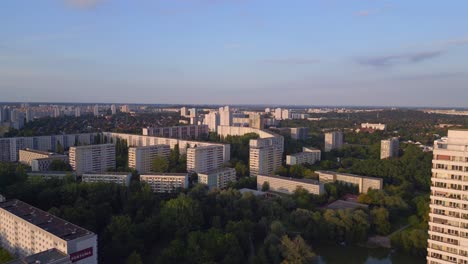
point(217, 170)
point(48, 222)
point(44, 257)
point(106, 173)
point(308, 181)
point(49, 153)
point(348, 174)
point(165, 174)
point(50, 172)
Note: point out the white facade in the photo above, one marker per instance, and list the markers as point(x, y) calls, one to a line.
point(113, 109)
point(122, 178)
point(448, 216)
point(364, 183)
point(289, 185)
point(92, 158)
point(333, 140)
point(225, 116)
point(308, 155)
point(165, 182)
point(204, 159)
point(219, 178)
point(212, 120)
point(141, 158)
point(26, 230)
point(182, 132)
point(374, 126)
point(389, 148)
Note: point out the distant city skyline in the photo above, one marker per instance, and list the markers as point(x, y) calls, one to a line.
point(337, 53)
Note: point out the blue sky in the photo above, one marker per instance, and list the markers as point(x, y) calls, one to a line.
point(305, 52)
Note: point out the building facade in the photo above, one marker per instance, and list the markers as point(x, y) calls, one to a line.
point(141, 158)
point(204, 159)
point(92, 158)
point(289, 185)
point(26, 230)
point(364, 183)
point(378, 126)
point(448, 215)
point(219, 178)
point(299, 133)
point(333, 140)
point(27, 156)
point(308, 155)
point(389, 148)
point(181, 132)
point(165, 182)
point(121, 178)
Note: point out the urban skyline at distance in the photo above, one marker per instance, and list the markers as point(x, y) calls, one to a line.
point(353, 53)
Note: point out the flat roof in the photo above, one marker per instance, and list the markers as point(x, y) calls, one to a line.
point(166, 174)
point(50, 172)
point(348, 174)
point(107, 173)
point(44, 220)
point(48, 256)
point(308, 181)
point(49, 153)
point(217, 170)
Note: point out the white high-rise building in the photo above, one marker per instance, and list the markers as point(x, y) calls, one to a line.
point(333, 140)
point(285, 114)
point(141, 158)
point(225, 116)
point(204, 159)
point(278, 114)
point(448, 216)
point(113, 109)
point(389, 148)
point(125, 109)
point(96, 110)
point(212, 119)
point(77, 111)
point(183, 111)
point(92, 158)
point(27, 230)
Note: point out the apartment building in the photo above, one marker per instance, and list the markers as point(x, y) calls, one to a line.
point(121, 178)
point(265, 153)
point(308, 155)
point(299, 133)
point(52, 174)
point(26, 230)
point(364, 183)
point(289, 185)
point(212, 120)
point(225, 116)
point(204, 159)
point(218, 178)
point(181, 132)
point(448, 216)
point(165, 182)
point(389, 148)
point(141, 158)
point(333, 140)
point(92, 158)
point(371, 126)
point(50, 256)
point(39, 160)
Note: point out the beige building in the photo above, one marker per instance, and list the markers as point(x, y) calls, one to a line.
point(448, 216)
point(289, 185)
point(181, 132)
point(256, 121)
point(165, 182)
point(219, 178)
point(204, 159)
point(308, 155)
point(27, 157)
point(122, 178)
point(141, 158)
point(26, 230)
point(389, 148)
point(92, 158)
point(333, 140)
point(225, 116)
point(364, 183)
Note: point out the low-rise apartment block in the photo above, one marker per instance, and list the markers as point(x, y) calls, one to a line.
point(371, 126)
point(364, 183)
point(219, 178)
point(52, 174)
point(122, 178)
point(289, 185)
point(204, 159)
point(389, 148)
point(92, 158)
point(26, 230)
point(39, 160)
point(141, 158)
point(308, 155)
point(165, 182)
point(299, 133)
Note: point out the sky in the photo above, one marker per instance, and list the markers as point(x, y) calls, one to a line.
point(295, 52)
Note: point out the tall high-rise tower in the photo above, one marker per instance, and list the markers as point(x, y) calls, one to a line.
point(448, 217)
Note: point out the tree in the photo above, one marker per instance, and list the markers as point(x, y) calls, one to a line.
point(134, 258)
point(241, 169)
point(380, 220)
point(295, 251)
point(59, 165)
point(59, 148)
point(265, 186)
point(181, 215)
point(160, 164)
